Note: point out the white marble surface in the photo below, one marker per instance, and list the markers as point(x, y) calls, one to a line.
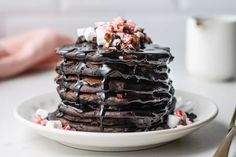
point(17, 140)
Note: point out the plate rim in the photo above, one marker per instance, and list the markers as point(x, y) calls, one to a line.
point(33, 125)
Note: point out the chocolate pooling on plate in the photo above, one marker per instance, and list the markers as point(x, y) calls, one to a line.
point(113, 79)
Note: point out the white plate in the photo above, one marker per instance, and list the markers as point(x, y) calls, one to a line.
point(205, 109)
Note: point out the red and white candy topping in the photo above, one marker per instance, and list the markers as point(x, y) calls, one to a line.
point(67, 127)
point(41, 117)
point(117, 34)
point(179, 119)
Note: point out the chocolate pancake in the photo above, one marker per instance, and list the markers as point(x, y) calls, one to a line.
point(128, 120)
point(114, 98)
point(96, 85)
point(117, 83)
point(157, 73)
point(84, 52)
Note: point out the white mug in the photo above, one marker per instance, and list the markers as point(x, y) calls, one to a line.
point(211, 47)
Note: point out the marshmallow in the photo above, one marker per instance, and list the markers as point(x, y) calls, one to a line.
point(54, 124)
point(100, 36)
point(80, 31)
point(42, 113)
point(173, 121)
point(89, 34)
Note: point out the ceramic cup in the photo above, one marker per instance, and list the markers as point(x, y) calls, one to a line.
point(211, 47)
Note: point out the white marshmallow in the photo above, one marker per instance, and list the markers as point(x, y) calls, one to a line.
point(54, 124)
point(42, 113)
point(89, 34)
point(173, 121)
point(100, 36)
point(80, 31)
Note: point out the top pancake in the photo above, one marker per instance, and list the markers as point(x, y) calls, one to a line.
point(90, 52)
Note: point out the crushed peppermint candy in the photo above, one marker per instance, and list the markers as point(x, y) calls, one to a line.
point(118, 34)
point(180, 118)
point(37, 119)
point(67, 127)
point(41, 117)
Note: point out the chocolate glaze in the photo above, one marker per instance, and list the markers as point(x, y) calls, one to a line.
point(106, 90)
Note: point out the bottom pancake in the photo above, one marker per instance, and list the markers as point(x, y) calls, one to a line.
point(112, 121)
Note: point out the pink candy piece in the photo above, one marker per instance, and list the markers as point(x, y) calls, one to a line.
point(120, 24)
point(184, 119)
point(37, 119)
point(179, 113)
point(109, 28)
point(43, 122)
point(131, 23)
point(119, 29)
point(67, 127)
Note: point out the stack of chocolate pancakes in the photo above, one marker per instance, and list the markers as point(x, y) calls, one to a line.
point(110, 90)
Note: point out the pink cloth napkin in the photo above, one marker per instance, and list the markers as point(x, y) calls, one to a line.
point(30, 51)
